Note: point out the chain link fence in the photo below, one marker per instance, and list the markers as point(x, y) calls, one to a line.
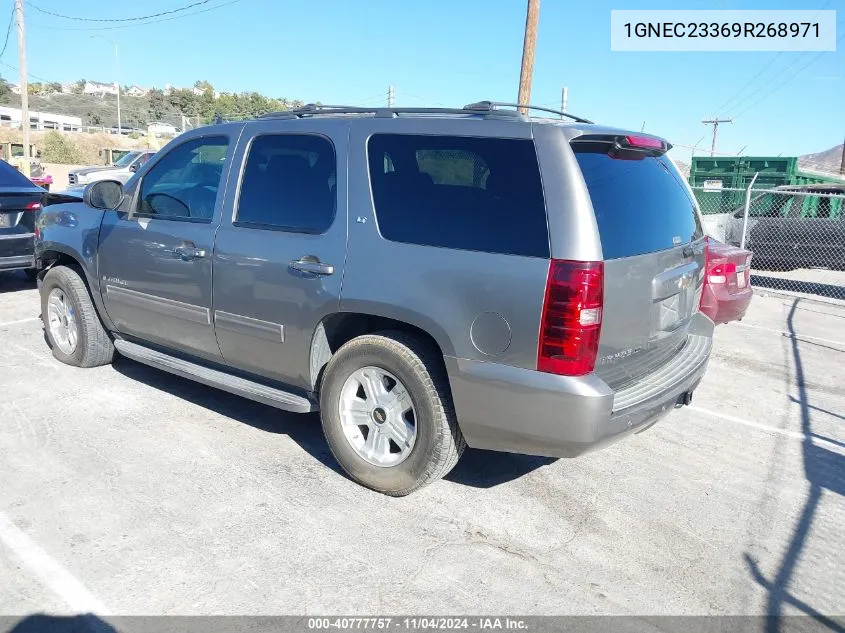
point(797, 234)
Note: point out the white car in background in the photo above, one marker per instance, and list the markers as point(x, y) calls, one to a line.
point(162, 129)
point(122, 170)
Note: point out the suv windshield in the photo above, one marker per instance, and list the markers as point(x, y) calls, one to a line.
point(127, 160)
point(641, 205)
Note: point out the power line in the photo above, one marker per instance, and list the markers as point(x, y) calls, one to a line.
point(748, 83)
point(28, 73)
point(129, 26)
point(788, 79)
point(135, 19)
point(8, 32)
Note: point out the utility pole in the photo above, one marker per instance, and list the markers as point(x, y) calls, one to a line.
point(715, 123)
point(391, 96)
point(24, 86)
point(528, 44)
point(564, 99)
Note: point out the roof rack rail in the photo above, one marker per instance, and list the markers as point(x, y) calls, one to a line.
point(491, 106)
point(311, 109)
point(488, 108)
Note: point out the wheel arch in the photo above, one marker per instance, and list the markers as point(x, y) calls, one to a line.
point(341, 327)
point(59, 255)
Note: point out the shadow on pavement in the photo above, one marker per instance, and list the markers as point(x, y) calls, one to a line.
point(14, 280)
point(304, 429)
point(478, 469)
point(825, 471)
point(486, 469)
point(793, 285)
point(43, 623)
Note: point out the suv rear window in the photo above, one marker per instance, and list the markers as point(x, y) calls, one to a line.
point(641, 206)
point(478, 194)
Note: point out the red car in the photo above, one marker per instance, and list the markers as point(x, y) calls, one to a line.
point(44, 181)
point(727, 289)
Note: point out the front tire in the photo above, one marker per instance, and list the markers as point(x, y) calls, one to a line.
point(73, 328)
point(387, 413)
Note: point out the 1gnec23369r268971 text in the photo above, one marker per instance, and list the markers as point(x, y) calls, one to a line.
point(723, 29)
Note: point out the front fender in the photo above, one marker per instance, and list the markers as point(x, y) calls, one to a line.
point(72, 230)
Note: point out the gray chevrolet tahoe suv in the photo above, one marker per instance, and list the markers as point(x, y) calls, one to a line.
point(424, 278)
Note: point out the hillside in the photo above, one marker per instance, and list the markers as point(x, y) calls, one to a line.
point(827, 161)
point(201, 104)
point(135, 112)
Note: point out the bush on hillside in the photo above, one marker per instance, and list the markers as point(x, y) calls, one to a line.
point(58, 148)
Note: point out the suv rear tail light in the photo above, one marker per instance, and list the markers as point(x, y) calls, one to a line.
point(571, 322)
point(719, 269)
point(716, 268)
point(32, 206)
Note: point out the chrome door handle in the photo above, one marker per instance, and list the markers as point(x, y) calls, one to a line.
point(188, 252)
point(312, 265)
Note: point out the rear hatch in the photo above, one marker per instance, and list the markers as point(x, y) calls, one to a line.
point(653, 246)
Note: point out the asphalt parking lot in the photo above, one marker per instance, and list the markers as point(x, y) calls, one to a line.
point(124, 490)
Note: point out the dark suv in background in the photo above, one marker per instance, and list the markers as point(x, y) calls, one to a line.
point(425, 278)
point(20, 201)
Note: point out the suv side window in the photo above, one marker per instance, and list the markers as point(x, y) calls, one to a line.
point(289, 183)
point(468, 193)
point(183, 184)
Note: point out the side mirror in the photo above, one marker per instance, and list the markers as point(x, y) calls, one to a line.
point(103, 194)
point(133, 167)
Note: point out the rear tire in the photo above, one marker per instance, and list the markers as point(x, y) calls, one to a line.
point(71, 323)
point(410, 366)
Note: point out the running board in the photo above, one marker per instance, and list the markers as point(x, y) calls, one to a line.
point(214, 378)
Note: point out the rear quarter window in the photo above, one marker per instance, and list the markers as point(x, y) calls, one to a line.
point(467, 193)
point(641, 206)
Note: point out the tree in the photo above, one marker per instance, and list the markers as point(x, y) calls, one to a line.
point(95, 118)
point(204, 85)
point(158, 104)
point(55, 86)
point(183, 100)
point(58, 148)
point(78, 87)
point(5, 90)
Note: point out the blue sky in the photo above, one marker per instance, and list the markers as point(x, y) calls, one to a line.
point(443, 52)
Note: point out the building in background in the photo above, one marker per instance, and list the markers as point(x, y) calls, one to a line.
point(99, 88)
point(135, 91)
point(12, 117)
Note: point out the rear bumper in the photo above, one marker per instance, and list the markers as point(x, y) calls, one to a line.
point(723, 307)
point(516, 410)
point(17, 251)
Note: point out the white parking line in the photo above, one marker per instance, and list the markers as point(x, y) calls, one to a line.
point(797, 435)
point(763, 427)
point(51, 573)
point(790, 334)
point(19, 321)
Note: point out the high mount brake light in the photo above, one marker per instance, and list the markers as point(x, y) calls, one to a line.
point(644, 142)
point(572, 315)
